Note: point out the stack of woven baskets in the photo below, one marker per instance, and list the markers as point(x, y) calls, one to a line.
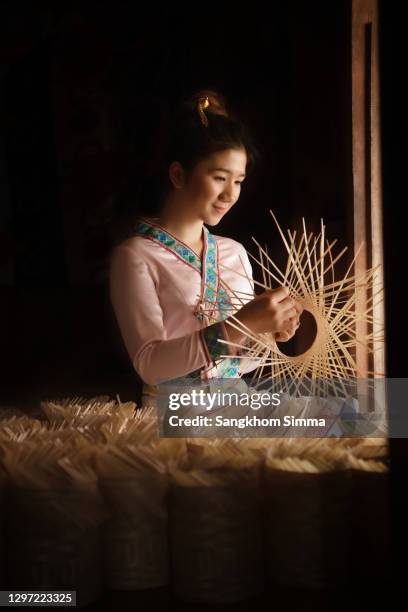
point(92, 499)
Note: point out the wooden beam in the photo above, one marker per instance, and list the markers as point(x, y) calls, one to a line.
point(366, 153)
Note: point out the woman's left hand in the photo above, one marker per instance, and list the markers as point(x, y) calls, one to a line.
point(286, 335)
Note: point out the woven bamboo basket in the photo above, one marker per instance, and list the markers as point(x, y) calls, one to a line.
point(135, 538)
point(305, 524)
point(370, 519)
point(2, 526)
point(45, 550)
point(215, 538)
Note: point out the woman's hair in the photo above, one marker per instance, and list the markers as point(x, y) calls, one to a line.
point(191, 138)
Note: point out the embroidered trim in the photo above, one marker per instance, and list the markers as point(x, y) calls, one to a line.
point(229, 367)
point(213, 295)
point(145, 229)
point(209, 291)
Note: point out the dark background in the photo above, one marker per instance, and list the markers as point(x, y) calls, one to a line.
point(84, 89)
point(84, 93)
point(84, 98)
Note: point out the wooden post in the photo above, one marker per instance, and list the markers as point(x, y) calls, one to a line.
point(367, 189)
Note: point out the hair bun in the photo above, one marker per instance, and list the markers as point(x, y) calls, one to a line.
point(216, 101)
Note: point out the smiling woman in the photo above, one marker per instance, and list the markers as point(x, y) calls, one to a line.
point(173, 284)
point(204, 195)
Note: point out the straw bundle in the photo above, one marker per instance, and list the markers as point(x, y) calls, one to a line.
point(140, 426)
point(376, 449)
point(18, 428)
point(9, 412)
point(80, 411)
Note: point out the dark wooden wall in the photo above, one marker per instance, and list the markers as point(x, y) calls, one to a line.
point(83, 99)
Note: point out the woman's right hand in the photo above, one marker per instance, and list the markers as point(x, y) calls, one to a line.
point(271, 311)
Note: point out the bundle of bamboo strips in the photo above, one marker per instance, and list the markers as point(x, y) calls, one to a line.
point(86, 411)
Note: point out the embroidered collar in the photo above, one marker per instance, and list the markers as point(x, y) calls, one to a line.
point(155, 232)
point(212, 293)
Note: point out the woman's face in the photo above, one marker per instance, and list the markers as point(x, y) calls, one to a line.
point(214, 184)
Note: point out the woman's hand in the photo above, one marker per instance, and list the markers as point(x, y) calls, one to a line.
point(284, 336)
point(272, 311)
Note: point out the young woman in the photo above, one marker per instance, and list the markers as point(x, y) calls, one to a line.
point(174, 284)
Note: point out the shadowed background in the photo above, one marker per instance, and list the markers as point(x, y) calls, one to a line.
point(84, 97)
point(84, 90)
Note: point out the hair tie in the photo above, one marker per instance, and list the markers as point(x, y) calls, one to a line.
point(202, 104)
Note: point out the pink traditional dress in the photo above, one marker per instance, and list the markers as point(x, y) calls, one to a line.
point(170, 304)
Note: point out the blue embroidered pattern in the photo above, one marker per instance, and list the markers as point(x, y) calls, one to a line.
point(144, 229)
